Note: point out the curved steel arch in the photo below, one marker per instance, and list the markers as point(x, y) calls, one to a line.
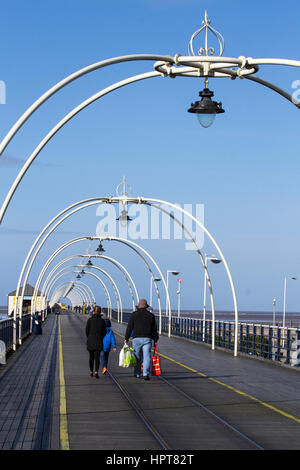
point(72, 281)
point(66, 245)
point(126, 273)
point(83, 286)
point(159, 201)
point(75, 295)
point(70, 78)
point(85, 298)
point(84, 292)
point(84, 238)
point(75, 290)
point(163, 67)
point(57, 295)
point(79, 283)
point(115, 288)
point(122, 269)
point(55, 129)
point(197, 66)
point(77, 207)
point(147, 202)
point(101, 282)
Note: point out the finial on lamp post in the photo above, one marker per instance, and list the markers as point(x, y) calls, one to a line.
point(206, 50)
point(124, 218)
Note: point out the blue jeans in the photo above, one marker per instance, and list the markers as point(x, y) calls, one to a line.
point(142, 349)
point(104, 358)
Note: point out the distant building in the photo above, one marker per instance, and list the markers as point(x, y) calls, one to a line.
point(27, 300)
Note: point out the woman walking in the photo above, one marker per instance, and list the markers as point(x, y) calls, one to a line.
point(95, 332)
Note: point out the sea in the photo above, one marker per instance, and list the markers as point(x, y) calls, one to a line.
point(292, 319)
point(3, 313)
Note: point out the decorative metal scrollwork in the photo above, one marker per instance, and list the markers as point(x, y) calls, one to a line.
point(207, 50)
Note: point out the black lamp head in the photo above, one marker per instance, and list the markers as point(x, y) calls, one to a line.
point(206, 109)
point(100, 248)
point(124, 217)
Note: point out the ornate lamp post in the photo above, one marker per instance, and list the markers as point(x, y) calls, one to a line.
point(203, 64)
point(124, 217)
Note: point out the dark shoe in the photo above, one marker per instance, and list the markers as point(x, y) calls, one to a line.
point(91, 374)
point(137, 376)
point(96, 375)
point(146, 377)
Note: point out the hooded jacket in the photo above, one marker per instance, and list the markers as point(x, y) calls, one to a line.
point(109, 340)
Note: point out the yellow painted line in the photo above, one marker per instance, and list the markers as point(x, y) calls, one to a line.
point(63, 422)
point(273, 408)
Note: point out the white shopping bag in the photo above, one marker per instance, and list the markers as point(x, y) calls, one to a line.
point(127, 357)
point(121, 357)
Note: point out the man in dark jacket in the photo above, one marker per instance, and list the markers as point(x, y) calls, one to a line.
point(143, 326)
point(95, 331)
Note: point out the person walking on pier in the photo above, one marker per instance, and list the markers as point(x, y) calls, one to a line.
point(143, 325)
point(109, 341)
point(95, 331)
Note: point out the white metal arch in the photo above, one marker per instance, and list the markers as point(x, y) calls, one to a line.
point(126, 242)
point(75, 289)
point(159, 201)
point(76, 284)
point(147, 202)
point(114, 285)
point(79, 287)
point(167, 66)
point(206, 66)
point(84, 293)
point(100, 280)
point(126, 274)
point(109, 304)
point(75, 208)
point(75, 296)
point(80, 283)
point(121, 268)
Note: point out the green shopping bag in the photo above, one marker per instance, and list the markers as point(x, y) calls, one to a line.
point(127, 357)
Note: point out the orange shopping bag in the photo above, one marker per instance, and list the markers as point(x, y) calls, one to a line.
point(155, 362)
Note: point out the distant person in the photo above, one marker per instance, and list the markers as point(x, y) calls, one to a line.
point(95, 331)
point(37, 324)
point(143, 326)
point(109, 341)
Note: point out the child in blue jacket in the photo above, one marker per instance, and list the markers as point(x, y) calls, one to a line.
point(108, 341)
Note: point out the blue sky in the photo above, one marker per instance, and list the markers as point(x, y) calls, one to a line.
point(244, 169)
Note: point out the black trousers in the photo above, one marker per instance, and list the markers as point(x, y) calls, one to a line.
point(94, 359)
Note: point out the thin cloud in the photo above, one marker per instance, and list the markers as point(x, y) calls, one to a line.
point(10, 161)
point(16, 231)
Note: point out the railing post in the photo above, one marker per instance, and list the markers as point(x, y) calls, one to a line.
point(262, 339)
point(288, 347)
point(278, 344)
point(270, 345)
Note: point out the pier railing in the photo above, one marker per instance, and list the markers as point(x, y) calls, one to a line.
point(269, 342)
point(273, 343)
point(6, 330)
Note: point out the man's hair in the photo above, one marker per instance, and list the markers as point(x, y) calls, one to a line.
point(97, 309)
